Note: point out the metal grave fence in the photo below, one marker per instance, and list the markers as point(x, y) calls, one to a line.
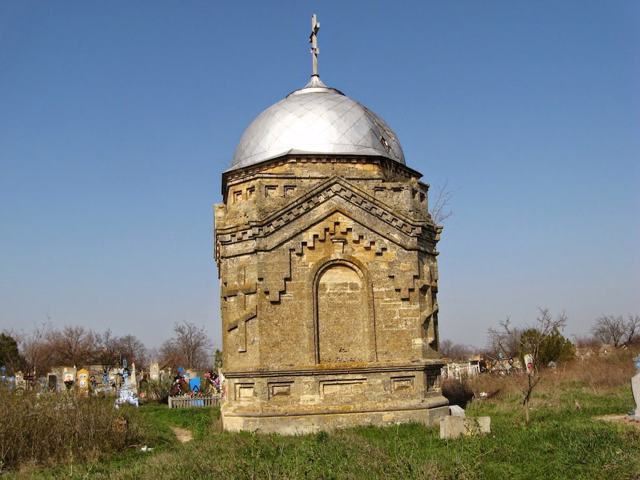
point(193, 402)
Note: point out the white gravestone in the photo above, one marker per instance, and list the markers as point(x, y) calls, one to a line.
point(20, 382)
point(133, 379)
point(528, 361)
point(154, 371)
point(635, 388)
point(126, 394)
point(456, 411)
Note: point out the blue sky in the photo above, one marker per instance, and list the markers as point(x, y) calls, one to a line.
point(117, 119)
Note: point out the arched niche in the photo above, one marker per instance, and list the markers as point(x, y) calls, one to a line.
point(343, 314)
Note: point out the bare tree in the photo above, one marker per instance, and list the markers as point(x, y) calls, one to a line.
point(107, 349)
point(36, 349)
point(504, 341)
point(440, 204)
point(132, 348)
point(72, 345)
point(444, 347)
point(545, 326)
point(190, 347)
point(508, 341)
point(45, 347)
point(111, 349)
point(455, 351)
point(633, 329)
point(170, 355)
point(615, 331)
point(586, 341)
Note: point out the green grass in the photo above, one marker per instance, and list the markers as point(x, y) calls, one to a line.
point(160, 418)
point(561, 442)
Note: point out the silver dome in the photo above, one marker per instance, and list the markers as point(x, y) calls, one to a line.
point(316, 120)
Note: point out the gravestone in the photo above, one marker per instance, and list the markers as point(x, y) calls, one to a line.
point(106, 385)
point(68, 377)
point(528, 361)
point(83, 381)
point(114, 378)
point(154, 372)
point(456, 411)
point(452, 427)
point(133, 379)
point(635, 388)
point(126, 393)
point(20, 382)
point(194, 384)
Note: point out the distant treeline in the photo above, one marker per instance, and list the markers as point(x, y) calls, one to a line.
point(509, 341)
point(37, 351)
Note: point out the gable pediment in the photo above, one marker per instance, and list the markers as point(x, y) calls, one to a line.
point(331, 196)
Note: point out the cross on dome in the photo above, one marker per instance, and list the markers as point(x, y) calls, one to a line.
point(313, 40)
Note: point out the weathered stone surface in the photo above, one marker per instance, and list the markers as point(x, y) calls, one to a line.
point(456, 411)
point(485, 424)
point(452, 427)
point(328, 295)
point(635, 389)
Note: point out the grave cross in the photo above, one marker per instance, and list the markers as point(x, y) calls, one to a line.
point(241, 322)
point(313, 40)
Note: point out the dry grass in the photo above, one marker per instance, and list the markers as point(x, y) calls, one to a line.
point(596, 375)
point(561, 442)
point(600, 374)
point(51, 429)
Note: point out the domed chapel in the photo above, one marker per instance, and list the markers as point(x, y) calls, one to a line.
point(326, 254)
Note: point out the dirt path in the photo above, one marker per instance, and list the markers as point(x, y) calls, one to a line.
point(182, 434)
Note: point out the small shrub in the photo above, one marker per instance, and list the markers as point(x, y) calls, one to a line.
point(50, 429)
point(157, 390)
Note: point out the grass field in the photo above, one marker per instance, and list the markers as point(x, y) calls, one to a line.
point(562, 441)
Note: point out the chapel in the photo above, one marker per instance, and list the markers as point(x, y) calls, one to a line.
point(327, 260)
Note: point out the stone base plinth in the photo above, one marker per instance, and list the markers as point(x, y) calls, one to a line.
point(293, 424)
point(329, 397)
point(456, 426)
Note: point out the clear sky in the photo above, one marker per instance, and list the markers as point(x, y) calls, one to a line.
point(117, 119)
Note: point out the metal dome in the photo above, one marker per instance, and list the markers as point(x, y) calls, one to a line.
point(316, 120)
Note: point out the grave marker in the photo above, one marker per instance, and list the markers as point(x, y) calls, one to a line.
point(635, 388)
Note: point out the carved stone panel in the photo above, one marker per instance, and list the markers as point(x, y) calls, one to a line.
point(343, 320)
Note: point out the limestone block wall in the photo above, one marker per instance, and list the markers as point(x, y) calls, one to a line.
point(328, 286)
point(254, 193)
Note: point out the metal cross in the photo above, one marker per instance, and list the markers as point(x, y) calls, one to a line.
point(313, 40)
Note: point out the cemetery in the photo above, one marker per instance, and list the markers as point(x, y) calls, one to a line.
point(336, 280)
point(570, 435)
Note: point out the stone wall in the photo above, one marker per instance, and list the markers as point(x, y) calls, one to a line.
point(328, 283)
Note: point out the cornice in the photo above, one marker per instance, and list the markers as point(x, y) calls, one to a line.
point(247, 172)
point(332, 187)
point(339, 370)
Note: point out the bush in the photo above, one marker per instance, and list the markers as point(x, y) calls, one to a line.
point(457, 392)
point(50, 429)
point(157, 390)
point(551, 348)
